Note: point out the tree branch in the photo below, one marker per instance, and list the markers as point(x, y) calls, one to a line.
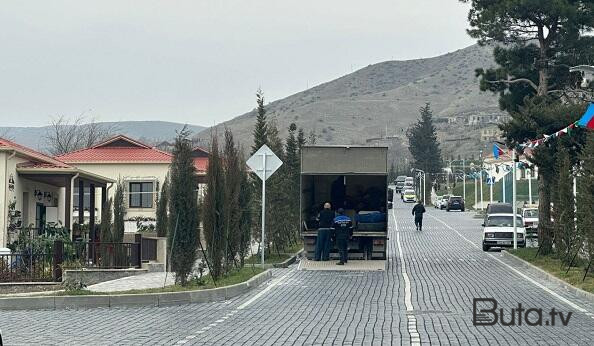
point(517, 80)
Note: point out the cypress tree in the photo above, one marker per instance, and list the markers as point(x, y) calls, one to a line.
point(232, 178)
point(292, 163)
point(213, 210)
point(183, 208)
point(105, 235)
point(162, 212)
point(245, 207)
point(119, 210)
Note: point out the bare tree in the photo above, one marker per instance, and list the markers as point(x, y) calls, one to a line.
point(68, 134)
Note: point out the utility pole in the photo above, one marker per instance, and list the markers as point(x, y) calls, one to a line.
point(464, 179)
point(514, 199)
point(529, 173)
point(481, 179)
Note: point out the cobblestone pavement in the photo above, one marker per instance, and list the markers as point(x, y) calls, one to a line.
point(424, 297)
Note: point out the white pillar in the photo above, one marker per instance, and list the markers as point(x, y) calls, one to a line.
point(504, 188)
point(463, 181)
point(62, 205)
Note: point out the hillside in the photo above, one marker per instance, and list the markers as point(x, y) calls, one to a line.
point(149, 131)
point(380, 98)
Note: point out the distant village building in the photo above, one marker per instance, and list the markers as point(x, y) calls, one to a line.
point(490, 133)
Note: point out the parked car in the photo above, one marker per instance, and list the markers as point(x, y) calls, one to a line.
point(409, 196)
point(455, 203)
point(530, 216)
point(498, 208)
point(443, 203)
point(498, 231)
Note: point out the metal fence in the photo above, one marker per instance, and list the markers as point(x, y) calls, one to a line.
point(22, 267)
point(103, 255)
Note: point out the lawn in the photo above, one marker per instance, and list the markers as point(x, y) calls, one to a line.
point(275, 257)
point(554, 266)
point(234, 277)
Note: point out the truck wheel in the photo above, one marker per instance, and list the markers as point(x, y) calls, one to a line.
point(462, 209)
point(448, 210)
point(486, 248)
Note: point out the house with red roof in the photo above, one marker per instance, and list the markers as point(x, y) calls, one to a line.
point(37, 189)
point(141, 167)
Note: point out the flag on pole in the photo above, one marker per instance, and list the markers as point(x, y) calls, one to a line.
point(497, 151)
point(587, 120)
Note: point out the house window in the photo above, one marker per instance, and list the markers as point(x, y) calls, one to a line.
point(141, 195)
point(86, 198)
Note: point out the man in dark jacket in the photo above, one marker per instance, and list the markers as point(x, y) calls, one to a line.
point(418, 211)
point(325, 219)
point(343, 230)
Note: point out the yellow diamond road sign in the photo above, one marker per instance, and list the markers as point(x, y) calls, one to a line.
point(264, 162)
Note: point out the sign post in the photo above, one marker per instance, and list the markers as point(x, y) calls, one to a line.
point(264, 163)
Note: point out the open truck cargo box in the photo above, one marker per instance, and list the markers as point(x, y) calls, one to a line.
point(354, 178)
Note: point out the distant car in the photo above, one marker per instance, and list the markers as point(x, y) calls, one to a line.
point(455, 203)
point(443, 203)
point(437, 202)
point(400, 183)
point(530, 216)
point(498, 231)
point(409, 196)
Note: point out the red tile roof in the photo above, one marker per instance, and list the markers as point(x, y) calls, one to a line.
point(35, 156)
point(134, 152)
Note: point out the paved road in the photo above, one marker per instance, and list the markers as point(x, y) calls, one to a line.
point(424, 297)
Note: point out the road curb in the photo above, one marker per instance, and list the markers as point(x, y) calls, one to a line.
point(540, 273)
point(128, 300)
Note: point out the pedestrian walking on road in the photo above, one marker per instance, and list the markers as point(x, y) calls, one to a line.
point(418, 211)
point(325, 219)
point(343, 230)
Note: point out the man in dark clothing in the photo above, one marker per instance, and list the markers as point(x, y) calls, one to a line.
point(325, 219)
point(418, 211)
point(343, 230)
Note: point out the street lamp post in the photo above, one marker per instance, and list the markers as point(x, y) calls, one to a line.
point(514, 212)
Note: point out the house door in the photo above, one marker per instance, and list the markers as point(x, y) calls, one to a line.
point(40, 217)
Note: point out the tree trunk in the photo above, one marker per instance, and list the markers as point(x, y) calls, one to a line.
point(543, 63)
point(544, 215)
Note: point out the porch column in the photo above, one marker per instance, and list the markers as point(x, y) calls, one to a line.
point(67, 205)
point(92, 212)
point(81, 202)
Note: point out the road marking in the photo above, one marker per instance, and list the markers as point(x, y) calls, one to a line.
point(264, 291)
point(546, 289)
point(412, 320)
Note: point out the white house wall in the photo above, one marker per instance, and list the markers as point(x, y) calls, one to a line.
point(130, 172)
point(3, 205)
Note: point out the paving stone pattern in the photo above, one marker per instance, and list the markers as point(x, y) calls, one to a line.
point(341, 308)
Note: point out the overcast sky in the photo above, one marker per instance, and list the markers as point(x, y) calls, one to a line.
point(201, 61)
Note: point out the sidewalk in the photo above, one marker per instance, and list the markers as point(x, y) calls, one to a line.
point(137, 282)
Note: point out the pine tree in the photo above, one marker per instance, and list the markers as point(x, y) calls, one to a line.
point(213, 210)
point(162, 216)
point(261, 128)
point(183, 209)
point(232, 212)
point(301, 141)
point(424, 147)
point(563, 210)
point(312, 137)
point(585, 196)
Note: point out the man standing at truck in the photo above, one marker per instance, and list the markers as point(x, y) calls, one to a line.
point(418, 211)
point(343, 230)
point(325, 220)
